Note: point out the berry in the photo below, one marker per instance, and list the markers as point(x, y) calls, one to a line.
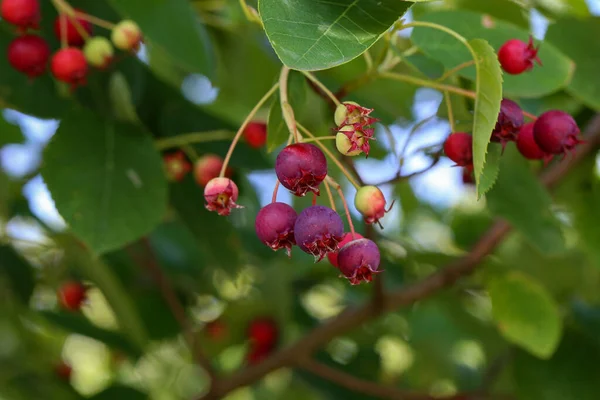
point(29, 54)
point(63, 371)
point(127, 35)
point(370, 202)
point(527, 146)
point(318, 230)
point(263, 333)
point(359, 260)
point(459, 148)
point(220, 195)
point(510, 120)
point(467, 176)
point(351, 113)
point(333, 256)
point(556, 132)
point(216, 329)
point(351, 141)
point(72, 295)
point(354, 122)
point(176, 166)
point(345, 146)
point(69, 65)
point(275, 226)
point(22, 13)
point(98, 52)
point(64, 23)
point(208, 167)
point(255, 134)
point(301, 167)
point(516, 56)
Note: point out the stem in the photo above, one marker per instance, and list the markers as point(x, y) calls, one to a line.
point(316, 139)
point(331, 156)
point(320, 85)
point(426, 83)
point(286, 108)
point(530, 116)
point(338, 188)
point(95, 20)
point(449, 31)
point(65, 8)
point(450, 112)
point(190, 152)
point(194, 137)
point(275, 190)
point(454, 70)
point(238, 134)
point(329, 195)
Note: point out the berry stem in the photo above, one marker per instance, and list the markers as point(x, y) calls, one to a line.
point(450, 111)
point(329, 195)
point(320, 85)
point(65, 8)
point(530, 116)
point(193, 137)
point(275, 190)
point(338, 188)
point(238, 134)
point(190, 152)
point(426, 83)
point(286, 109)
point(316, 139)
point(331, 156)
point(454, 70)
point(442, 28)
point(95, 20)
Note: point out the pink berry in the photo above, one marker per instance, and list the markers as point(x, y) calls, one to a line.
point(208, 167)
point(370, 202)
point(176, 166)
point(220, 195)
point(29, 54)
point(510, 120)
point(527, 146)
point(274, 226)
point(318, 230)
point(69, 65)
point(347, 238)
point(72, 295)
point(22, 13)
point(255, 134)
point(301, 168)
point(72, 34)
point(516, 56)
point(359, 260)
point(459, 148)
point(556, 132)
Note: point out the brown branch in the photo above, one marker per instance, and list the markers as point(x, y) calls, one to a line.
point(445, 277)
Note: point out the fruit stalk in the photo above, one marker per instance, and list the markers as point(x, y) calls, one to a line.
point(193, 137)
point(338, 188)
point(320, 85)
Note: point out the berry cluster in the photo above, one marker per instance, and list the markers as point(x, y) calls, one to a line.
point(29, 53)
point(263, 334)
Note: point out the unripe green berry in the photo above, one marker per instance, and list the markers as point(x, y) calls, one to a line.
point(343, 142)
point(341, 112)
point(98, 51)
point(126, 35)
point(370, 202)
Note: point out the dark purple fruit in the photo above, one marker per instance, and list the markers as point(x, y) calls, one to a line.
point(510, 120)
point(359, 260)
point(275, 226)
point(556, 132)
point(318, 231)
point(301, 168)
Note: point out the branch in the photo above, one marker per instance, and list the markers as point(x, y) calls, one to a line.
point(353, 317)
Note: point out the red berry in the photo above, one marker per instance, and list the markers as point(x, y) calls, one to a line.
point(69, 65)
point(22, 13)
point(301, 167)
point(63, 371)
point(467, 176)
point(220, 195)
point(74, 38)
point(359, 260)
point(556, 132)
point(275, 226)
point(347, 238)
point(216, 329)
point(516, 56)
point(318, 230)
point(370, 202)
point(29, 54)
point(510, 120)
point(256, 134)
point(72, 295)
point(527, 146)
point(208, 167)
point(176, 166)
point(459, 148)
point(263, 333)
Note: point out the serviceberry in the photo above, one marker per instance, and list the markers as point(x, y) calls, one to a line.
point(176, 166)
point(257, 354)
point(516, 56)
point(72, 295)
point(275, 226)
point(220, 195)
point(347, 238)
point(22, 13)
point(69, 65)
point(359, 260)
point(208, 167)
point(318, 230)
point(301, 167)
point(370, 202)
point(351, 113)
point(263, 332)
point(126, 35)
point(556, 132)
point(63, 371)
point(528, 147)
point(351, 141)
point(99, 52)
point(29, 54)
point(65, 23)
point(354, 122)
point(467, 176)
point(510, 120)
point(255, 134)
point(459, 148)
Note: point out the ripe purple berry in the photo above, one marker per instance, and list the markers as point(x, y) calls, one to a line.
point(556, 132)
point(459, 148)
point(359, 260)
point(275, 226)
point(220, 195)
point(516, 56)
point(510, 120)
point(348, 237)
point(318, 231)
point(528, 147)
point(301, 167)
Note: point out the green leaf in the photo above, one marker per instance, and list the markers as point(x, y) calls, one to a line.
point(521, 199)
point(526, 314)
point(573, 37)
point(554, 75)
point(106, 179)
point(119, 392)
point(18, 271)
point(173, 26)
point(487, 107)
point(491, 170)
point(9, 133)
point(507, 10)
point(314, 35)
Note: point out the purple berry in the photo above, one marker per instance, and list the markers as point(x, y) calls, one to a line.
point(359, 260)
point(275, 226)
point(556, 132)
point(510, 121)
point(318, 230)
point(301, 167)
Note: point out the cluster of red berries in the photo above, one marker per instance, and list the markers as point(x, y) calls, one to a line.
point(552, 133)
point(29, 53)
point(263, 334)
point(72, 295)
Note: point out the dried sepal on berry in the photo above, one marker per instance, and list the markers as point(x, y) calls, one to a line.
point(318, 231)
point(359, 260)
point(509, 122)
point(221, 195)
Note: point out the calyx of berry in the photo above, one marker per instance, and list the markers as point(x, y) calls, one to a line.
point(176, 166)
point(221, 195)
point(510, 120)
point(359, 260)
point(354, 121)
